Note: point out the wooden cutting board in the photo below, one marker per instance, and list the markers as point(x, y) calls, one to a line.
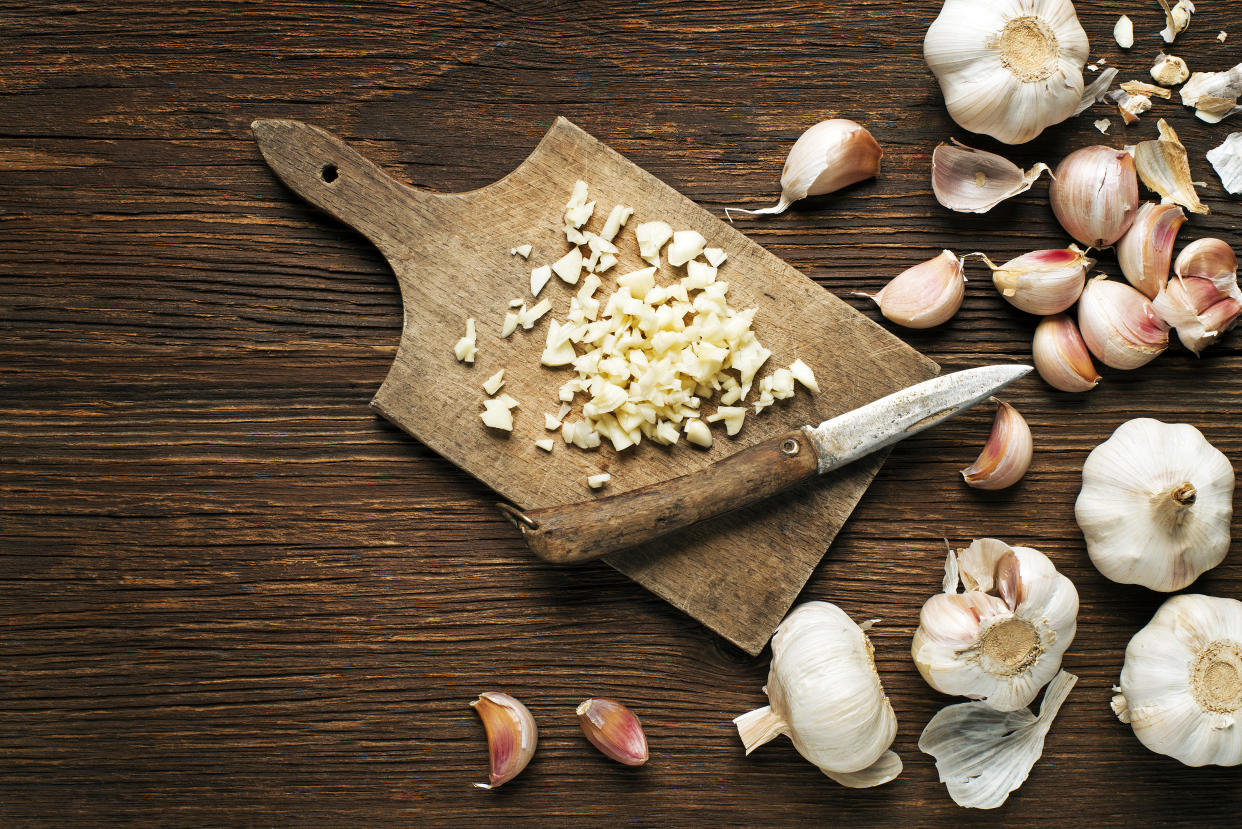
point(737, 574)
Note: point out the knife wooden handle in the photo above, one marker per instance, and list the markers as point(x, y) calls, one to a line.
point(584, 531)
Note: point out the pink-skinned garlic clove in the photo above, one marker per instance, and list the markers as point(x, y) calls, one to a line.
point(1198, 310)
point(926, 294)
point(1061, 357)
point(1119, 324)
point(1094, 195)
point(1209, 258)
point(1007, 454)
point(1146, 251)
point(614, 730)
point(1043, 281)
point(974, 181)
point(511, 736)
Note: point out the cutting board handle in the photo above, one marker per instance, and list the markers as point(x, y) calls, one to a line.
point(325, 171)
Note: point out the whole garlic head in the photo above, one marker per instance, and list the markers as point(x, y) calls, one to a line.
point(1003, 638)
point(1155, 504)
point(825, 695)
point(1008, 68)
point(1181, 686)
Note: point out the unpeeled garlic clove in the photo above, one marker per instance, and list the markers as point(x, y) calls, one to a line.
point(511, 736)
point(1061, 357)
point(974, 181)
point(1123, 32)
point(1164, 168)
point(1198, 310)
point(1007, 454)
point(1119, 325)
point(1094, 194)
point(925, 295)
point(1146, 250)
point(830, 155)
point(1209, 258)
point(1043, 281)
point(614, 730)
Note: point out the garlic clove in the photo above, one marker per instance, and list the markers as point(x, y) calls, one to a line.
point(1094, 194)
point(1198, 310)
point(1130, 106)
point(511, 736)
point(982, 755)
point(1061, 357)
point(1119, 325)
point(1226, 160)
point(925, 295)
point(1007, 454)
point(1123, 32)
point(1155, 505)
point(830, 155)
point(1209, 258)
point(1169, 70)
point(1043, 281)
point(1146, 250)
point(614, 730)
point(974, 181)
point(1176, 19)
point(1164, 168)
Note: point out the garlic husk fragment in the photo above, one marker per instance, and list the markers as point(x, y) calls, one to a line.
point(1155, 504)
point(1176, 19)
point(1163, 166)
point(925, 295)
point(1214, 95)
point(1203, 301)
point(974, 181)
point(1043, 281)
point(1169, 70)
point(1119, 325)
point(1007, 454)
point(614, 730)
point(511, 736)
point(1094, 194)
point(1226, 160)
point(825, 695)
point(1146, 250)
point(1123, 32)
point(1097, 90)
point(1002, 639)
point(982, 755)
point(1061, 357)
point(1008, 68)
point(1129, 106)
point(1181, 686)
point(830, 155)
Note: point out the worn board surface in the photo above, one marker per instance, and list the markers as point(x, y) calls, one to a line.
point(235, 596)
point(737, 574)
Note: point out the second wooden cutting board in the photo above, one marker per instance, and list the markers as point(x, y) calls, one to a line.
point(737, 574)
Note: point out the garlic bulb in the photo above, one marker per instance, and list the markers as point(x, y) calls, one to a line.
point(828, 156)
point(983, 754)
point(1007, 454)
point(1008, 68)
point(974, 181)
point(1181, 686)
point(1119, 324)
point(1155, 504)
point(1146, 250)
point(1002, 639)
point(1061, 357)
point(925, 295)
point(1094, 194)
point(825, 695)
point(1043, 281)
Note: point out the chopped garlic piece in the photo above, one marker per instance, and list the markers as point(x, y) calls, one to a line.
point(651, 237)
point(597, 481)
point(521, 250)
point(1221, 37)
point(465, 348)
point(714, 256)
point(639, 282)
point(574, 236)
point(569, 266)
point(698, 433)
point(545, 444)
point(698, 275)
point(558, 351)
point(509, 325)
point(606, 261)
point(781, 383)
point(539, 278)
point(528, 318)
point(492, 384)
point(803, 374)
point(551, 422)
point(732, 417)
point(496, 414)
point(687, 244)
point(516, 303)
point(615, 221)
point(600, 245)
point(1103, 124)
point(578, 211)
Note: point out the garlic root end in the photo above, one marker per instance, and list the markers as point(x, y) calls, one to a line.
point(759, 727)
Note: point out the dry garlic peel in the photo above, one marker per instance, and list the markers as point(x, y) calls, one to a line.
point(982, 755)
point(1181, 686)
point(1008, 68)
point(1214, 95)
point(1226, 160)
point(830, 155)
point(1061, 357)
point(1119, 324)
point(1002, 639)
point(1155, 504)
point(974, 181)
point(1163, 166)
point(1176, 19)
point(1097, 90)
point(1146, 250)
point(1043, 281)
point(1094, 194)
point(511, 736)
point(825, 695)
point(925, 295)
point(1007, 454)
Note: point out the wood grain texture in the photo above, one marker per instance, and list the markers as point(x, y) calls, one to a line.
point(234, 596)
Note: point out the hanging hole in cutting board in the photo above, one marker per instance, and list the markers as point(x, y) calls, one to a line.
point(328, 173)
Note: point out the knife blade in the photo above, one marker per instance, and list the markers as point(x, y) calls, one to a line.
point(584, 531)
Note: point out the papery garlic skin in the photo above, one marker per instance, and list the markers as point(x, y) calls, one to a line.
point(1043, 282)
point(1119, 325)
point(1146, 250)
point(1007, 454)
point(925, 295)
point(1002, 639)
point(974, 181)
point(830, 155)
point(1181, 686)
point(511, 736)
point(1164, 167)
point(1155, 505)
point(1226, 160)
point(825, 695)
point(1008, 68)
point(1094, 194)
point(1061, 357)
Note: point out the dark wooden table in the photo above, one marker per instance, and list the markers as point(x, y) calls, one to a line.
point(232, 595)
